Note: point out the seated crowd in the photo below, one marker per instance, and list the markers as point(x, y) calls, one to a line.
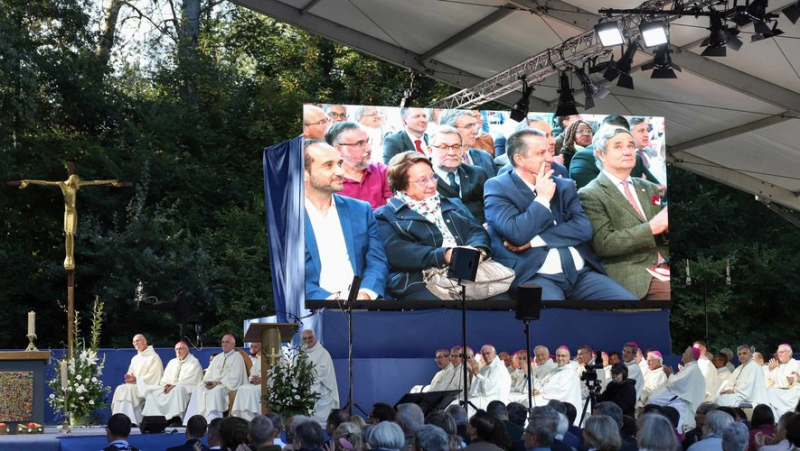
point(391, 206)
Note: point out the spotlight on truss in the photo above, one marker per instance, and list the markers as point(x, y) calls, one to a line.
point(654, 33)
point(567, 105)
point(763, 31)
point(792, 12)
point(609, 33)
point(662, 64)
point(720, 37)
point(622, 68)
point(590, 90)
point(520, 109)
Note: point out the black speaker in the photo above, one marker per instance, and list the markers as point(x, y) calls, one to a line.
point(464, 263)
point(153, 425)
point(529, 301)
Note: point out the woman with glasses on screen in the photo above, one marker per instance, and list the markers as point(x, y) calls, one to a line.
point(420, 229)
point(576, 137)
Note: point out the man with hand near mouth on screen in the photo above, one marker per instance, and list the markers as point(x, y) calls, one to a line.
point(341, 235)
point(629, 218)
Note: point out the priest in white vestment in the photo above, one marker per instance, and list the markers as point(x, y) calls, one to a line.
point(145, 369)
point(561, 384)
point(170, 398)
point(746, 384)
point(629, 351)
point(444, 378)
point(684, 391)
point(544, 364)
point(520, 373)
point(655, 378)
point(728, 353)
point(247, 403)
point(226, 373)
point(720, 362)
point(457, 359)
point(325, 380)
point(708, 369)
point(490, 383)
point(784, 388)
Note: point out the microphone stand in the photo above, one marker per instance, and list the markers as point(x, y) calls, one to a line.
point(351, 298)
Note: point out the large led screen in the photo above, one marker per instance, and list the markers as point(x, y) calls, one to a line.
point(574, 204)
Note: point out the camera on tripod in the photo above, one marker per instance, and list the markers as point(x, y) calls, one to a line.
point(589, 376)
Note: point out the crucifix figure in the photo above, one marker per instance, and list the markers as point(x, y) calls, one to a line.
point(69, 188)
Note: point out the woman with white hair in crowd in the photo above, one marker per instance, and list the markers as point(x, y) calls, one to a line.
point(656, 434)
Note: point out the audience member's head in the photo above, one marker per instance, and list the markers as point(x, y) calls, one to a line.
point(443, 420)
point(277, 422)
point(572, 412)
point(672, 415)
point(261, 432)
point(381, 412)
point(481, 426)
point(518, 413)
point(702, 411)
point(541, 430)
point(347, 436)
point(716, 421)
point(308, 435)
point(196, 427)
point(610, 409)
point(431, 438)
point(385, 435)
point(335, 418)
point(735, 437)
point(602, 433)
point(762, 415)
point(629, 427)
point(793, 429)
point(656, 433)
point(233, 432)
point(213, 432)
point(118, 427)
point(409, 417)
point(498, 410)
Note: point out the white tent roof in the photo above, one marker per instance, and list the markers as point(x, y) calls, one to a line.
point(732, 119)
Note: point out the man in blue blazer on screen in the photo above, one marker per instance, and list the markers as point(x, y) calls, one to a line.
point(341, 233)
point(539, 229)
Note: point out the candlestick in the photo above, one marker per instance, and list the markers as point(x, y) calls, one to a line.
point(31, 323)
point(688, 271)
point(64, 375)
point(728, 268)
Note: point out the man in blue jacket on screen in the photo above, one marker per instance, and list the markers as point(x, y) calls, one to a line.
point(341, 235)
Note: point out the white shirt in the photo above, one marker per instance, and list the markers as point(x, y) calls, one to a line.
point(336, 272)
point(422, 144)
point(552, 263)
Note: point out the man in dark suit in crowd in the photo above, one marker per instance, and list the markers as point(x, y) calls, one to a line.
point(583, 167)
point(455, 179)
point(466, 124)
point(628, 216)
point(195, 430)
point(413, 136)
point(538, 123)
point(345, 226)
point(539, 229)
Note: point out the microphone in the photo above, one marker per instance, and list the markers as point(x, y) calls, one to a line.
point(198, 329)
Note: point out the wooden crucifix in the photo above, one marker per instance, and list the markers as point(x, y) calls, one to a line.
point(69, 188)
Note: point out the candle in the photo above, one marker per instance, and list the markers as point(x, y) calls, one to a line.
point(31, 323)
point(64, 374)
point(688, 273)
point(728, 269)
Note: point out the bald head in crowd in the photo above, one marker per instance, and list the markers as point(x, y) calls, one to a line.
point(315, 122)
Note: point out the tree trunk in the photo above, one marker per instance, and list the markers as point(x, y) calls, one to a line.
point(188, 46)
point(107, 31)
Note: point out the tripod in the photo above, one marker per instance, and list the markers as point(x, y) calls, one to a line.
point(465, 403)
point(593, 387)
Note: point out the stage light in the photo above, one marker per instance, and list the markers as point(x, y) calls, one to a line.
point(662, 64)
point(609, 33)
point(792, 12)
point(720, 37)
point(590, 90)
point(622, 68)
point(755, 11)
point(654, 33)
point(520, 109)
point(567, 106)
point(763, 31)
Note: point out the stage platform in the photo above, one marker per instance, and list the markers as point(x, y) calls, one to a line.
point(86, 439)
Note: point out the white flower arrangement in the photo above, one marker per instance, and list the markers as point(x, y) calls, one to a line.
point(290, 384)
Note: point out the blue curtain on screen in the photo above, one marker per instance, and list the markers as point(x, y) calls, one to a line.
point(283, 191)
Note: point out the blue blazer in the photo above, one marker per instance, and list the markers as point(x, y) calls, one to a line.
point(513, 216)
point(363, 246)
point(397, 143)
point(413, 244)
point(188, 446)
point(483, 159)
point(558, 169)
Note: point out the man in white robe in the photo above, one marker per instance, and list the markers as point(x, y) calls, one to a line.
point(544, 364)
point(746, 384)
point(730, 364)
point(784, 389)
point(561, 384)
point(708, 369)
point(720, 362)
point(170, 398)
point(325, 380)
point(759, 359)
point(226, 373)
point(457, 359)
point(247, 403)
point(519, 376)
point(145, 369)
point(490, 383)
point(655, 378)
point(445, 378)
point(684, 390)
point(634, 372)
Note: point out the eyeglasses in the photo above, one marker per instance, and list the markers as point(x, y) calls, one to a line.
point(473, 125)
point(453, 148)
point(425, 181)
point(335, 115)
point(584, 132)
point(357, 144)
point(327, 120)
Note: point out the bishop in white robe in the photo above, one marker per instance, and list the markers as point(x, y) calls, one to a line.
point(145, 369)
point(684, 391)
point(544, 364)
point(746, 384)
point(784, 388)
point(325, 380)
point(171, 396)
point(226, 373)
point(655, 378)
point(561, 384)
point(491, 382)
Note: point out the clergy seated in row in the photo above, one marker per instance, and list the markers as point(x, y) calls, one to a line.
point(708, 369)
point(685, 390)
point(541, 366)
point(560, 384)
point(247, 403)
point(226, 373)
point(457, 359)
point(490, 383)
point(519, 374)
point(746, 385)
point(446, 378)
point(720, 362)
point(145, 369)
point(325, 376)
point(782, 382)
point(654, 380)
point(171, 396)
point(629, 351)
